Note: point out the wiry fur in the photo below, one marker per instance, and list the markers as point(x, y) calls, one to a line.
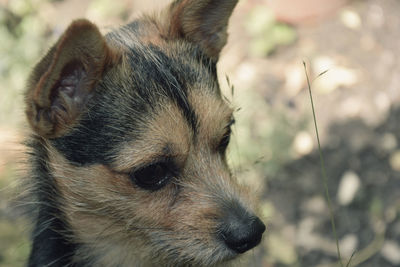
point(158, 98)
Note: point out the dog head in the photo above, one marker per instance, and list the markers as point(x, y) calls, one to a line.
point(136, 131)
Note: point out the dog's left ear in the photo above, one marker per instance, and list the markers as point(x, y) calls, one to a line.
point(203, 22)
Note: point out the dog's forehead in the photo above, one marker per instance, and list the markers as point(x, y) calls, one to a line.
point(147, 48)
point(177, 74)
point(169, 134)
point(213, 114)
point(158, 69)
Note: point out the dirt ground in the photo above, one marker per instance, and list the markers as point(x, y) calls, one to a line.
point(357, 104)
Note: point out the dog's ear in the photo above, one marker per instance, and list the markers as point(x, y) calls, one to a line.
point(201, 21)
point(62, 82)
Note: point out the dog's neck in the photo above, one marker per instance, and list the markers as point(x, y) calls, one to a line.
point(50, 247)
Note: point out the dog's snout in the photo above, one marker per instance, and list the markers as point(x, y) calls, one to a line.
point(242, 232)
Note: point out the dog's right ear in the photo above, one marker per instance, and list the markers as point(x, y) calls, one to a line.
point(61, 84)
point(203, 22)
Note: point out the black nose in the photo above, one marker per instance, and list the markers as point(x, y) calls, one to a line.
point(242, 232)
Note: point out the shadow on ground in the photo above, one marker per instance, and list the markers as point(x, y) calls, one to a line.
point(364, 184)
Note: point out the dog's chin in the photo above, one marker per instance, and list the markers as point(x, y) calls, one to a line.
point(229, 259)
point(194, 254)
point(220, 261)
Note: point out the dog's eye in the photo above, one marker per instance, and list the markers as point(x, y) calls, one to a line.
point(152, 177)
point(223, 144)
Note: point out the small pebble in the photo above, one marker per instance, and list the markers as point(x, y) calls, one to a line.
point(348, 187)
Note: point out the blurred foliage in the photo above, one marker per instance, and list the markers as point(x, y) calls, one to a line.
point(105, 9)
point(264, 134)
point(21, 35)
point(14, 248)
point(14, 244)
point(266, 33)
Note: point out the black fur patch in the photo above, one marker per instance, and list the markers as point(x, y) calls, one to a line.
point(50, 247)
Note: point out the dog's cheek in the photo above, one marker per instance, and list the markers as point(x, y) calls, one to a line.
point(88, 194)
point(98, 202)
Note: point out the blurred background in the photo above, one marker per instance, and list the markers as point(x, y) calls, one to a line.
point(357, 104)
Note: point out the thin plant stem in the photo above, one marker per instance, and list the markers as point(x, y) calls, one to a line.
point(324, 176)
point(352, 254)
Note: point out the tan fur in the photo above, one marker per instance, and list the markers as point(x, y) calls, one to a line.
point(215, 115)
point(168, 129)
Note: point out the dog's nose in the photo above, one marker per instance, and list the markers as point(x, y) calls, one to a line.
point(242, 232)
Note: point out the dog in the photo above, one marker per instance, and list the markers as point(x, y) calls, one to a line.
point(128, 146)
